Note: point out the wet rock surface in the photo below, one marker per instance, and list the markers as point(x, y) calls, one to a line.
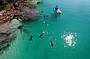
point(8, 33)
point(8, 27)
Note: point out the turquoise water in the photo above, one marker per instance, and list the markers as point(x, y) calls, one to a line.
point(70, 33)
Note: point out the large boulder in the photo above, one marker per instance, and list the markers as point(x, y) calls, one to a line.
point(8, 30)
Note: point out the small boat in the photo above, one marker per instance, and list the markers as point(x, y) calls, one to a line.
point(57, 10)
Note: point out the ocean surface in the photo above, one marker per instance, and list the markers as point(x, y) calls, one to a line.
point(70, 33)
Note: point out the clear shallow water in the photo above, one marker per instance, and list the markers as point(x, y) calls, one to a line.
point(70, 33)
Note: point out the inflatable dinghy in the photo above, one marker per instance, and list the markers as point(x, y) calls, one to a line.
point(58, 11)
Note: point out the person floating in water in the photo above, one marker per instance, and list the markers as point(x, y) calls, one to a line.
point(51, 42)
point(41, 34)
point(45, 22)
point(45, 16)
point(31, 37)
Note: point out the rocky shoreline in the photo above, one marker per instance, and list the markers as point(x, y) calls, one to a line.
point(9, 22)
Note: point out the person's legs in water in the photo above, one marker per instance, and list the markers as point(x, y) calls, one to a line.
point(31, 37)
point(51, 43)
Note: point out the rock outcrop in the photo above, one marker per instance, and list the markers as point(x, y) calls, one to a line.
point(24, 9)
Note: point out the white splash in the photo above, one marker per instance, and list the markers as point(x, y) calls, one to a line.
point(69, 39)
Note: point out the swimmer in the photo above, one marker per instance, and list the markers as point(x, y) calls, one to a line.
point(41, 35)
point(31, 37)
point(45, 22)
point(45, 16)
point(51, 43)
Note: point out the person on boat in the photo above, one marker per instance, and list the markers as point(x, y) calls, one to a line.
point(57, 9)
point(31, 37)
point(41, 34)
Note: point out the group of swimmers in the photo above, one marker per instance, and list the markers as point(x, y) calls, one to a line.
point(40, 36)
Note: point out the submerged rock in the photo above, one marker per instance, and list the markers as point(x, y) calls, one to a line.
point(8, 33)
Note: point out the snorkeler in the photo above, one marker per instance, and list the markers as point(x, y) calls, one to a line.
point(45, 22)
point(31, 37)
point(46, 16)
point(41, 35)
point(51, 43)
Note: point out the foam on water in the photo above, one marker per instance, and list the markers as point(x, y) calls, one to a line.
point(69, 39)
